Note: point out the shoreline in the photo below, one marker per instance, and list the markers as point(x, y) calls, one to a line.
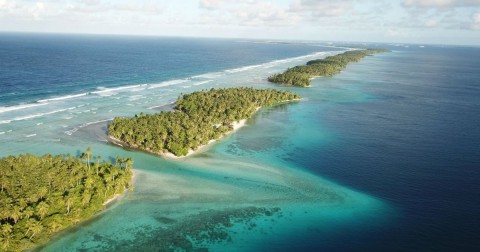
point(166, 154)
point(120, 195)
point(75, 226)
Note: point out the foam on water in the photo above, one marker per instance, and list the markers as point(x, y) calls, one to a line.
point(103, 90)
point(20, 107)
point(66, 97)
point(166, 84)
point(201, 82)
point(28, 117)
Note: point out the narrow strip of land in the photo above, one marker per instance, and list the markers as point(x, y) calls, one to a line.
point(301, 75)
point(199, 118)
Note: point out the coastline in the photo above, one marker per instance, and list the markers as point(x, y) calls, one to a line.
point(236, 126)
point(120, 195)
point(166, 154)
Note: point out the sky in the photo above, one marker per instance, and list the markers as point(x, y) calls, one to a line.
point(399, 21)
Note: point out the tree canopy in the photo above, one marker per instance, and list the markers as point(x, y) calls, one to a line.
point(40, 196)
point(331, 65)
point(199, 117)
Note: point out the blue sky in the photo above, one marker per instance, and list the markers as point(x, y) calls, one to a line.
point(403, 21)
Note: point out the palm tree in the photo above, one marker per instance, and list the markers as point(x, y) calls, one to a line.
point(35, 228)
point(69, 203)
point(29, 224)
point(4, 179)
point(42, 209)
point(98, 162)
point(6, 229)
point(114, 173)
point(15, 214)
point(54, 226)
point(86, 197)
point(89, 153)
point(89, 182)
point(128, 163)
point(118, 161)
point(28, 212)
point(7, 242)
point(42, 192)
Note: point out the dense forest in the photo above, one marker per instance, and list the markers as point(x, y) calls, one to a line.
point(43, 195)
point(301, 75)
point(199, 117)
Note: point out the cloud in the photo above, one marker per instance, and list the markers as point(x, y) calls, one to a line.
point(475, 21)
point(396, 33)
point(321, 8)
point(145, 7)
point(439, 14)
point(37, 11)
point(263, 13)
point(430, 23)
point(440, 3)
point(246, 13)
point(90, 2)
point(210, 4)
point(6, 5)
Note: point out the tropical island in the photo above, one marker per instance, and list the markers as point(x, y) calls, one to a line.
point(198, 119)
point(41, 195)
point(301, 75)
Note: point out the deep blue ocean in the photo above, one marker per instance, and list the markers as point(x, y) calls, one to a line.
point(401, 127)
point(35, 66)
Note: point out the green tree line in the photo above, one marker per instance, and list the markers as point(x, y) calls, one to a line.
point(331, 65)
point(40, 196)
point(199, 117)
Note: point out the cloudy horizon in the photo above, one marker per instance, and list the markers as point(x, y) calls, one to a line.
point(397, 21)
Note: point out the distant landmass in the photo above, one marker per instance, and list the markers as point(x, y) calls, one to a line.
point(301, 75)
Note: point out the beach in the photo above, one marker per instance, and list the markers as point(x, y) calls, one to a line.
point(120, 195)
point(236, 126)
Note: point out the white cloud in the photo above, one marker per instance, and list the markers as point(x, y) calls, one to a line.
point(90, 2)
point(246, 13)
point(430, 23)
point(145, 7)
point(439, 14)
point(210, 4)
point(475, 21)
point(263, 13)
point(6, 5)
point(396, 33)
point(321, 8)
point(440, 3)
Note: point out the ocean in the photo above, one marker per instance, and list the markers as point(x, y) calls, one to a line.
point(383, 156)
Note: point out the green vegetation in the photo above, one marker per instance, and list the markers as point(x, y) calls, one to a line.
point(40, 196)
point(199, 117)
point(301, 75)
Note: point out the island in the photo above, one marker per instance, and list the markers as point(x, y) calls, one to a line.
point(41, 195)
point(301, 75)
point(198, 119)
